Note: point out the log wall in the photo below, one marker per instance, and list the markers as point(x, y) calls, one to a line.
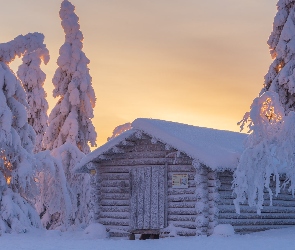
point(113, 185)
point(281, 214)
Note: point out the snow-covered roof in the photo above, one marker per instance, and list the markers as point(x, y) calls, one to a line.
point(217, 149)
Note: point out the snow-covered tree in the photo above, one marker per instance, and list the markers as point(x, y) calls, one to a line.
point(281, 75)
point(70, 129)
point(53, 203)
point(33, 78)
point(17, 164)
point(70, 120)
point(269, 152)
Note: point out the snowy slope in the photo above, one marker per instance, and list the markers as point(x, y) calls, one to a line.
point(53, 240)
point(215, 148)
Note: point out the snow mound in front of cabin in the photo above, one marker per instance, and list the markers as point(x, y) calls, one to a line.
point(224, 230)
point(95, 231)
point(218, 149)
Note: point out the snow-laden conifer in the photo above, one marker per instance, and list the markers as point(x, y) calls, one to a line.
point(281, 75)
point(269, 152)
point(53, 203)
point(17, 164)
point(70, 120)
point(33, 78)
point(70, 129)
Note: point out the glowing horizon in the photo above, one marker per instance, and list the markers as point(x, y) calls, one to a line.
point(191, 62)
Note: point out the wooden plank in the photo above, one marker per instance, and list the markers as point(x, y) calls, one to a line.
point(115, 215)
point(115, 176)
point(181, 191)
point(266, 203)
point(114, 183)
point(115, 202)
point(182, 198)
point(185, 224)
point(114, 190)
point(147, 197)
point(247, 209)
point(257, 216)
point(257, 221)
point(181, 211)
point(137, 155)
point(114, 169)
point(145, 161)
point(155, 198)
point(114, 196)
point(114, 222)
point(162, 195)
point(133, 199)
point(114, 208)
point(181, 204)
point(176, 217)
point(181, 168)
point(140, 198)
point(256, 228)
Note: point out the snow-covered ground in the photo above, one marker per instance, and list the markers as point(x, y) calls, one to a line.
point(54, 240)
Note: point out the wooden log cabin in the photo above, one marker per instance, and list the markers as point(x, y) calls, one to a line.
point(165, 178)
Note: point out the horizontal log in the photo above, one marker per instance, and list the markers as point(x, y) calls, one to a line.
point(115, 176)
point(181, 168)
point(137, 155)
point(115, 202)
point(247, 209)
point(114, 183)
point(256, 216)
point(114, 209)
point(117, 228)
point(145, 161)
point(191, 183)
point(114, 169)
point(181, 211)
point(266, 203)
point(115, 215)
point(148, 147)
point(114, 222)
point(257, 228)
point(181, 191)
point(181, 204)
point(239, 222)
point(182, 198)
point(118, 190)
point(185, 224)
point(174, 217)
point(224, 174)
point(107, 196)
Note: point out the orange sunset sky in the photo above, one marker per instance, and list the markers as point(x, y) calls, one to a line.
point(191, 61)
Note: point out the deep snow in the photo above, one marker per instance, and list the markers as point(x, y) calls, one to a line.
point(53, 240)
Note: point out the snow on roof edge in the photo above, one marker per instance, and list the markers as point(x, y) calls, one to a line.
point(104, 148)
point(227, 161)
point(147, 126)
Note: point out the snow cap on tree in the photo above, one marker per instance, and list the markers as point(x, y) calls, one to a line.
point(281, 75)
point(33, 78)
point(70, 120)
point(19, 45)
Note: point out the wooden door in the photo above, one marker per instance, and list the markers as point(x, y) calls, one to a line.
point(148, 198)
